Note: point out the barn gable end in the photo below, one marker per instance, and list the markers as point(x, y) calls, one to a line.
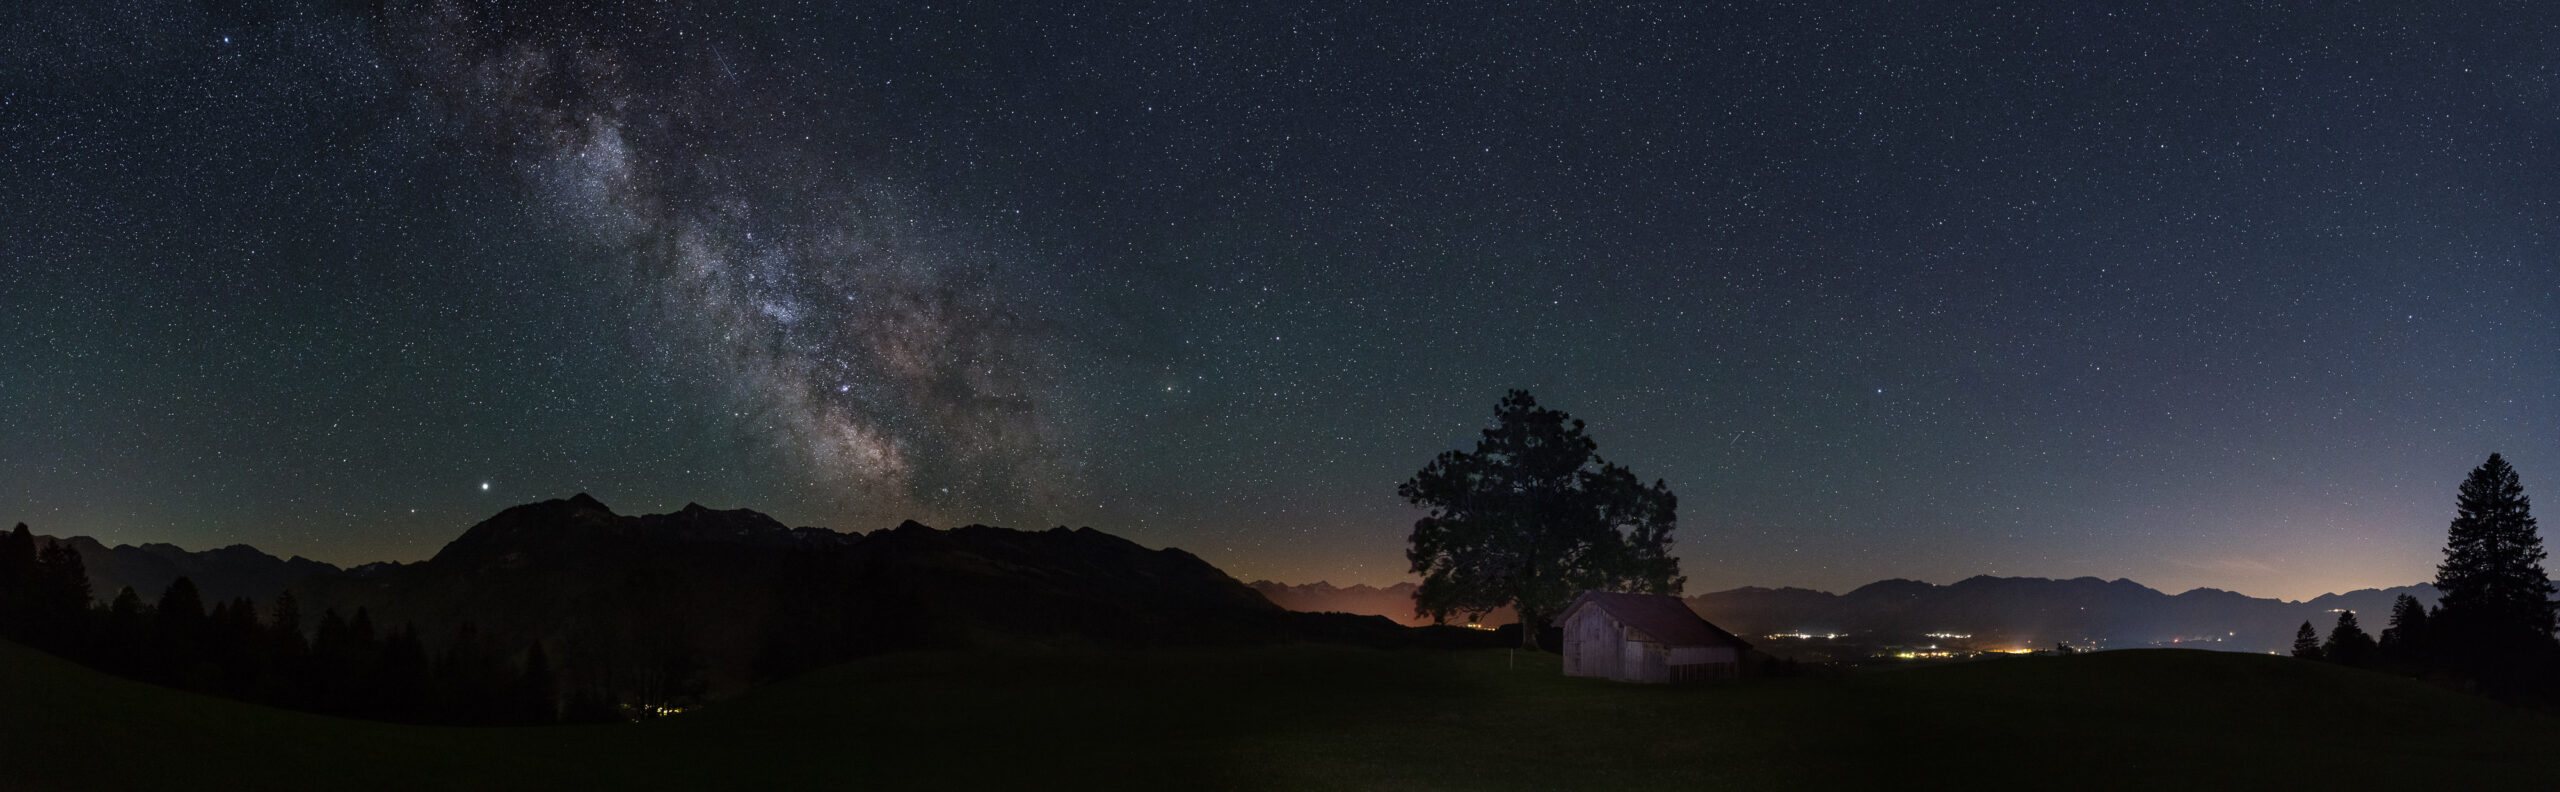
point(1644, 638)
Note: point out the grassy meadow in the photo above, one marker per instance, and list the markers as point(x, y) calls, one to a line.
point(1312, 717)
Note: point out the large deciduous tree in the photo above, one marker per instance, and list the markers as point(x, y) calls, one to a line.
point(1533, 517)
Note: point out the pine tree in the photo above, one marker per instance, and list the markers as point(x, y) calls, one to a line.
point(285, 681)
point(18, 557)
point(331, 636)
point(17, 581)
point(472, 678)
point(61, 597)
point(128, 640)
point(181, 613)
point(399, 686)
point(284, 628)
point(336, 659)
point(537, 693)
point(2348, 644)
point(237, 643)
point(179, 628)
point(2404, 642)
point(2497, 599)
point(360, 632)
point(2306, 642)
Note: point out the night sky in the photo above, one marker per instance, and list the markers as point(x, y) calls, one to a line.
point(2230, 299)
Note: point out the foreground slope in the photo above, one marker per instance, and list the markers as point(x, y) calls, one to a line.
point(1332, 717)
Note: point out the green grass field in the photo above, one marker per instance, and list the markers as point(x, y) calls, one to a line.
point(1337, 718)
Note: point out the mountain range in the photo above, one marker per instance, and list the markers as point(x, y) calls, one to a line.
point(1990, 612)
point(2020, 612)
point(743, 598)
point(1394, 602)
point(746, 597)
point(220, 574)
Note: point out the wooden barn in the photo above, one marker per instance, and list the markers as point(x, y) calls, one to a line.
point(1644, 638)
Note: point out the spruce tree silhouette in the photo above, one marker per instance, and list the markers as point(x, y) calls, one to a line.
point(536, 695)
point(180, 614)
point(2306, 642)
point(399, 686)
point(2348, 644)
point(178, 632)
point(284, 679)
point(17, 583)
point(337, 659)
point(61, 598)
point(471, 681)
point(2495, 622)
point(284, 627)
point(127, 642)
point(2404, 642)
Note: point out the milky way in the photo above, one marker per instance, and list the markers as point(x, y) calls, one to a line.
point(2228, 298)
point(886, 358)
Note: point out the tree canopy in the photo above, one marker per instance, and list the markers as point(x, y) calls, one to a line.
point(1532, 518)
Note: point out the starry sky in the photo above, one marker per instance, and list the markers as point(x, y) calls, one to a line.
point(2231, 298)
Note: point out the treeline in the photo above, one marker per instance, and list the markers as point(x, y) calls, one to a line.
point(2492, 632)
point(345, 666)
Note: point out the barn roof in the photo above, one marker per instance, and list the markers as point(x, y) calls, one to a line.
point(1665, 619)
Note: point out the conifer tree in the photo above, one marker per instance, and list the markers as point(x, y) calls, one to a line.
point(360, 632)
point(128, 638)
point(60, 596)
point(17, 581)
point(336, 659)
point(398, 683)
point(2404, 641)
point(284, 628)
point(181, 615)
point(237, 644)
point(472, 677)
point(18, 556)
point(331, 636)
point(179, 628)
point(537, 693)
point(2348, 644)
point(2306, 642)
point(2497, 599)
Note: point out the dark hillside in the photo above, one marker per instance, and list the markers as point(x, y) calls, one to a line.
point(741, 597)
point(1314, 717)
